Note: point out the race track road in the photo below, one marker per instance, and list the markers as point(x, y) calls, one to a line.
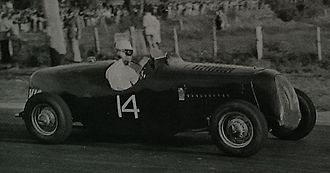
point(185, 152)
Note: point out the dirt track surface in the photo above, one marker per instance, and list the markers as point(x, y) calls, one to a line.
point(187, 152)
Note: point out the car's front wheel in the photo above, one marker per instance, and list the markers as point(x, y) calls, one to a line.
point(238, 128)
point(306, 124)
point(48, 118)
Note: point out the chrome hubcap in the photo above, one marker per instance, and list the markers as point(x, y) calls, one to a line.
point(44, 119)
point(235, 129)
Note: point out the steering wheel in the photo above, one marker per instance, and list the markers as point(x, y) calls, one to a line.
point(142, 73)
point(150, 64)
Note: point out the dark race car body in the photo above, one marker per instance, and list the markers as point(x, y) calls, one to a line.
point(172, 96)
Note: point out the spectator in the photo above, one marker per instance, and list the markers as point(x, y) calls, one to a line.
point(6, 31)
point(224, 19)
point(188, 8)
point(151, 30)
point(195, 9)
point(218, 21)
point(9, 7)
point(170, 13)
point(41, 22)
point(74, 34)
point(180, 10)
point(203, 8)
point(34, 22)
point(118, 15)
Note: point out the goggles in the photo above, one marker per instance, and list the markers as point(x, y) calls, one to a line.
point(127, 52)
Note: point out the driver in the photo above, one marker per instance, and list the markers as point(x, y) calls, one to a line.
point(120, 75)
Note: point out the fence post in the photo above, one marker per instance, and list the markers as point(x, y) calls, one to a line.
point(176, 43)
point(105, 25)
point(259, 42)
point(215, 44)
point(181, 25)
point(141, 8)
point(133, 39)
point(326, 12)
point(319, 46)
point(97, 41)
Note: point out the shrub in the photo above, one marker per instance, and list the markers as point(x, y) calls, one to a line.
point(232, 15)
point(287, 14)
point(313, 9)
point(325, 63)
point(38, 56)
point(22, 4)
point(326, 2)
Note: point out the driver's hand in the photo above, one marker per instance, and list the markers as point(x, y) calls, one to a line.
point(143, 61)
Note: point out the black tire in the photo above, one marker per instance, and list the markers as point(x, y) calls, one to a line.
point(307, 122)
point(254, 122)
point(48, 118)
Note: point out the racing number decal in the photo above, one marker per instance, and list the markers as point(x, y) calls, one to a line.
point(123, 108)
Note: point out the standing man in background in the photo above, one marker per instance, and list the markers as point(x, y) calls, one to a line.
point(6, 31)
point(118, 15)
point(218, 21)
point(224, 19)
point(151, 30)
point(74, 34)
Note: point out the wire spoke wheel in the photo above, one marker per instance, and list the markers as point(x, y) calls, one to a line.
point(238, 128)
point(235, 129)
point(48, 118)
point(44, 119)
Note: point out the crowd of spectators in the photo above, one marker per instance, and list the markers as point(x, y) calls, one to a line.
point(33, 20)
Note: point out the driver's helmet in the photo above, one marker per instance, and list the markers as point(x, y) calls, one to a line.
point(123, 45)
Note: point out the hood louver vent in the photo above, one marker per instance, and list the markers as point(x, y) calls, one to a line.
point(213, 68)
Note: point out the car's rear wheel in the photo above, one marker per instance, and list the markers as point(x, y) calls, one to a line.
point(238, 128)
point(306, 124)
point(48, 118)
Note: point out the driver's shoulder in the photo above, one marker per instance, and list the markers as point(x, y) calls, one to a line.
point(113, 66)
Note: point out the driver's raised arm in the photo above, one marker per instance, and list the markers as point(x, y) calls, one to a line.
point(144, 61)
point(139, 62)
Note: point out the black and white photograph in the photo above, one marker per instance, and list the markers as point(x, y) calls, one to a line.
point(164, 86)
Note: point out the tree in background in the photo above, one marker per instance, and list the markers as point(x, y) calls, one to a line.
point(55, 32)
point(314, 8)
point(287, 11)
point(127, 5)
point(22, 4)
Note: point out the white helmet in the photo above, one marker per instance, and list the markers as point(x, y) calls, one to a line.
point(123, 44)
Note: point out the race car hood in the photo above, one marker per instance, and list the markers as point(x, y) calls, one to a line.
point(212, 68)
point(211, 74)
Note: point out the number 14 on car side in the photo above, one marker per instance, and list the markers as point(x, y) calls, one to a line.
point(123, 108)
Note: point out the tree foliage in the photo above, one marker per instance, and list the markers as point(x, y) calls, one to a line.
point(22, 4)
point(302, 9)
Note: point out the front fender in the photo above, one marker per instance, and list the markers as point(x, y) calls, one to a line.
point(278, 100)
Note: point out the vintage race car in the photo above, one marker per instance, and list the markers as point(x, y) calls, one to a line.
point(237, 105)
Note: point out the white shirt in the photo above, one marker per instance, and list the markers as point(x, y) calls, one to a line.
point(151, 24)
point(6, 25)
point(121, 76)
